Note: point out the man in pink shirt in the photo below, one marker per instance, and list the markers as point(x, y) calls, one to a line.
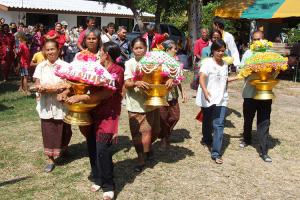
point(90, 22)
point(200, 44)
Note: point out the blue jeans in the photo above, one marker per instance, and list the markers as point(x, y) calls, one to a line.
point(215, 116)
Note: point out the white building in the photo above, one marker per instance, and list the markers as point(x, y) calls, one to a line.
point(47, 12)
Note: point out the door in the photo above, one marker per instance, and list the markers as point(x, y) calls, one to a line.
point(48, 20)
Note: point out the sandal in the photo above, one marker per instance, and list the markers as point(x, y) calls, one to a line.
point(95, 188)
point(219, 161)
point(108, 195)
point(49, 167)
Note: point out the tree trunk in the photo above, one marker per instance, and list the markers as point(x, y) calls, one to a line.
point(194, 20)
point(138, 19)
point(159, 9)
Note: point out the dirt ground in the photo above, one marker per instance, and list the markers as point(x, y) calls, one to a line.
point(184, 172)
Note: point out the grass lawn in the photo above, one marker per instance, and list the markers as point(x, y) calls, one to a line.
point(184, 172)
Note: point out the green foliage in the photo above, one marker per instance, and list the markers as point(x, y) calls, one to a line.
point(293, 35)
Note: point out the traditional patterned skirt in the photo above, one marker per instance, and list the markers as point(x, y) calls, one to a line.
point(56, 136)
point(169, 116)
point(144, 123)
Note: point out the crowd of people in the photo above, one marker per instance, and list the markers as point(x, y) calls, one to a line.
point(39, 51)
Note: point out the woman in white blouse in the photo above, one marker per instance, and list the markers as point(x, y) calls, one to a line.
point(212, 96)
point(56, 134)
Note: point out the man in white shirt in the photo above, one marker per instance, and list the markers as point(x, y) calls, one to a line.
point(251, 106)
point(228, 38)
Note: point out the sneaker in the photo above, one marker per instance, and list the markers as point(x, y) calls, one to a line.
point(244, 144)
point(266, 158)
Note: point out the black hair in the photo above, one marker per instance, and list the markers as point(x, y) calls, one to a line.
point(56, 23)
point(219, 22)
point(138, 39)
point(52, 41)
point(110, 24)
point(168, 44)
point(89, 18)
point(122, 28)
point(112, 49)
point(215, 31)
point(5, 25)
point(218, 44)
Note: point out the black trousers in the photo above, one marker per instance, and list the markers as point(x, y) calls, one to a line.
point(100, 154)
point(207, 128)
point(263, 109)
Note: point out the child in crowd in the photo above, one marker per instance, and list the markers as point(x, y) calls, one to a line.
point(37, 58)
point(24, 57)
point(143, 120)
point(169, 115)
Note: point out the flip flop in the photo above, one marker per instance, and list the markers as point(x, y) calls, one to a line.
point(219, 161)
point(108, 195)
point(95, 188)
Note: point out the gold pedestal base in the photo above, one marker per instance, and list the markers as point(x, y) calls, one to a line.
point(79, 119)
point(264, 89)
point(156, 95)
point(156, 101)
point(79, 114)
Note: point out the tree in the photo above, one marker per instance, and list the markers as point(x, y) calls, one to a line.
point(136, 6)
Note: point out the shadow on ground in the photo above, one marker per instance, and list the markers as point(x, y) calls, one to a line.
point(9, 86)
point(123, 170)
point(271, 141)
point(13, 181)
point(4, 107)
point(75, 152)
point(229, 123)
point(179, 135)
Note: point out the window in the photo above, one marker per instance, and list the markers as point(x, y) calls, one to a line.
point(128, 23)
point(81, 21)
point(174, 31)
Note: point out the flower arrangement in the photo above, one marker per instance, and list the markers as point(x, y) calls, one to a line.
point(261, 45)
point(262, 60)
point(86, 56)
point(152, 60)
point(86, 69)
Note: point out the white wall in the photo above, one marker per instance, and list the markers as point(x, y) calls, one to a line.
point(70, 18)
point(105, 20)
point(13, 16)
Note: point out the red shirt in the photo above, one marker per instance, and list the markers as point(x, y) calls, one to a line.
point(199, 45)
point(7, 45)
point(61, 39)
point(24, 55)
point(81, 37)
point(106, 114)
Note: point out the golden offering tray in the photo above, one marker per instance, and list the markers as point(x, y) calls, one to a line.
point(264, 85)
point(156, 94)
point(78, 113)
